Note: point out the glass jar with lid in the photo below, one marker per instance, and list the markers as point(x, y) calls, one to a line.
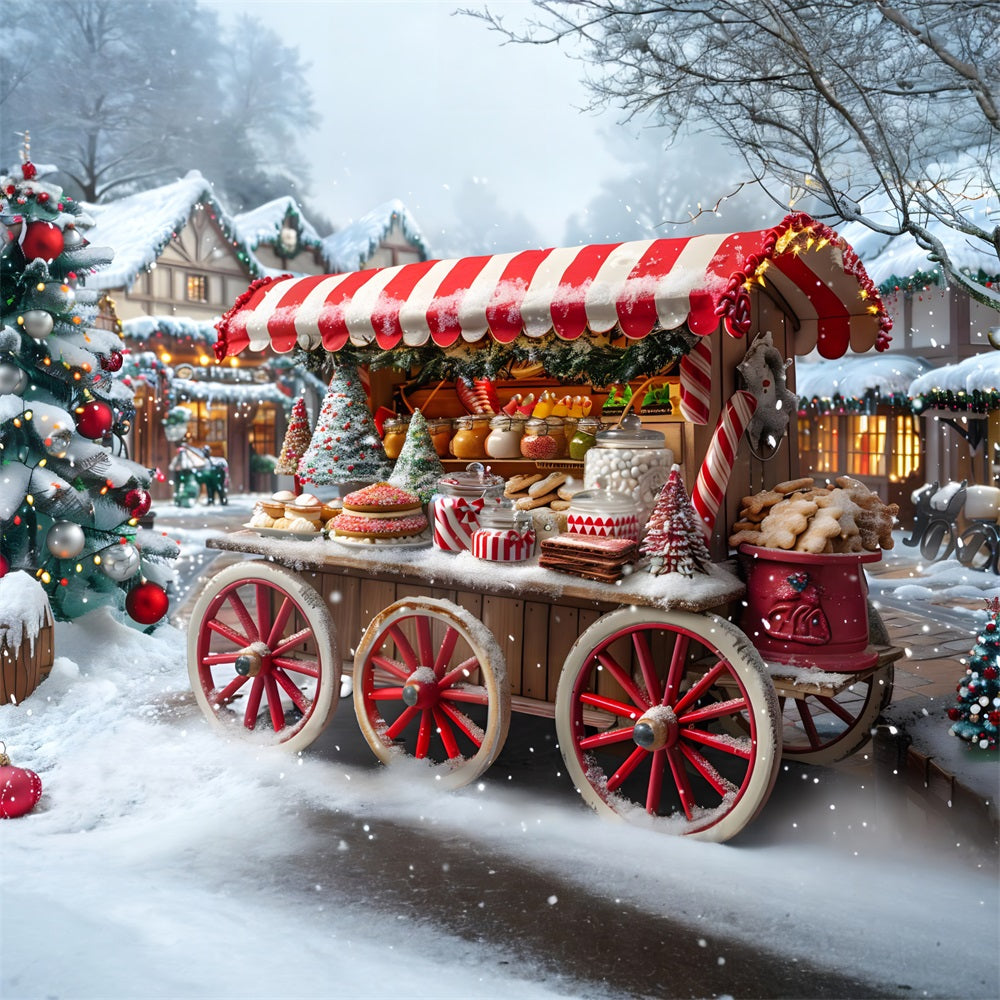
point(504, 439)
point(584, 437)
point(469, 441)
point(458, 502)
point(505, 534)
point(629, 459)
point(603, 514)
point(440, 430)
point(395, 429)
point(544, 439)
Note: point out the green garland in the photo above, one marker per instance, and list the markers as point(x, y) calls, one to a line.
point(589, 359)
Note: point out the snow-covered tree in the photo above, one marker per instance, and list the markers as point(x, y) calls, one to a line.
point(418, 467)
point(296, 441)
point(70, 499)
point(345, 445)
point(976, 715)
point(673, 540)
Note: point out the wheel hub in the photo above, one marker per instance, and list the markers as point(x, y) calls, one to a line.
point(657, 728)
point(421, 689)
point(250, 662)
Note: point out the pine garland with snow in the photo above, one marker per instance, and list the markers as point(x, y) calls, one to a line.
point(418, 467)
point(345, 445)
point(296, 441)
point(673, 541)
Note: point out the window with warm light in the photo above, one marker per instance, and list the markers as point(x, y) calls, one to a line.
point(866, 445)
point(197, 288)
point(904, 453)
point(827, 444)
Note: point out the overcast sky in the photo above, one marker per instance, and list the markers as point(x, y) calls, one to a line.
point(420, 103)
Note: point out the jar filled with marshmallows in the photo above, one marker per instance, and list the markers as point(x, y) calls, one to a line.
point(629, 459)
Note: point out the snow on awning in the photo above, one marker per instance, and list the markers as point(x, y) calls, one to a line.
point(620, 288)
point(888, 375)
point(971, 384)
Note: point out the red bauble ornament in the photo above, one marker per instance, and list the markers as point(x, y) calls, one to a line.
point(20, 789)
point(147, 603)
point(4, 566)
point(94, 420)
point(994, 718)
point(138, 502)
point(41, 239)
point(954, 714)
point(990, 673)
point(113, 362)
point(28, 170)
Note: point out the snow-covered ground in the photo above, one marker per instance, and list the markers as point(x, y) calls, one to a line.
point(160, 861)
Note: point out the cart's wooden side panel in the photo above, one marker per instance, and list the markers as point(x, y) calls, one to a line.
point(535, 650)
point(504, 617)
point(563, 629)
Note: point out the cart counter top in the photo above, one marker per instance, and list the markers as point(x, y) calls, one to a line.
point(426, 566)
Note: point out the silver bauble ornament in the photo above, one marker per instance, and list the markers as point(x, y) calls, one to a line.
point(37, 323)
point(12, 379)
point(58, 442)
point(120, 562)
point(65, 539)
point(71, 238)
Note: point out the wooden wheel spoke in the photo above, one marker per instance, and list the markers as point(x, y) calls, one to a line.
point(654, 789)
point(470, 694)
point(253, 702)
point(640, 643)
point(310, 668)
point(461, 673)
point(274, 702)
point(280, 621)
point(681, 780)
point(403, 647)
point(244, 616)
point(704, 767)
point(445, 652)
point(393, 667)
point(699, 688)
point(805, 714)
point(464, 724)
point(290, 688)
point(446, 734)
point(675, 672)
point(263, 593)
point(834, 707)
point(733, 706)
point(622, 677)
point(606, 738)
point(424, 734)
point(611, 705)
point(726, 744)
point(405, 718)
point(634, 759)
point(387, 694)
point(227, 693)
point(425, 647)
point(215, 659)
point(291, 641)
point(227, 632)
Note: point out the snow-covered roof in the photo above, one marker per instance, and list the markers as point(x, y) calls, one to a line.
point(854, 377)
point(142, 328)
point(263, 224)
point(350, 248)
point(978, 373)
point(138, 227)
point(246, 393)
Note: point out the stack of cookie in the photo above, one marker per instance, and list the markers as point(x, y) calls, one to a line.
point(534, 491)
point(800, 516)
point(588, 556)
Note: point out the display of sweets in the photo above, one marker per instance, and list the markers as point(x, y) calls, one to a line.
point(504, 534)
point(469, 441)
point(584, 437)
point(630, 459)
point(604, 514)
point(395, 436)
point(379, 512)
point(456, 506)
point(504, 440)
point(544, 439)
point(605, 560)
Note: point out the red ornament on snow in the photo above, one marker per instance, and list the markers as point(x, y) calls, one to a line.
point(4, 566)
point(147, 603)
point(41, 239)
point(113, 362)
point(28, 170)
point(20, 789)
point(94, 420)
point(138, 502)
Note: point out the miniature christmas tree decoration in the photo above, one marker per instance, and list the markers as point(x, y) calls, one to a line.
point(976, 715)
point(296, 440)
point(673, 541)
point(345, 446)
point(418, 467)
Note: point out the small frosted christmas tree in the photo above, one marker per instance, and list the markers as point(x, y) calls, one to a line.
point(976, 716)
point(673, 541)
point(70, 501)
point(296, 441)
point(345, 445)
point(418, 467)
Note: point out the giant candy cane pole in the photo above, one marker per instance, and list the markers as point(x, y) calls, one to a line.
point(715, 471)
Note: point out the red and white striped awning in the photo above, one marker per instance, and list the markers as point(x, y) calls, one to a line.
point(630, 289)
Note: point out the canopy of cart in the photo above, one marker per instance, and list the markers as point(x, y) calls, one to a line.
point(631, 289)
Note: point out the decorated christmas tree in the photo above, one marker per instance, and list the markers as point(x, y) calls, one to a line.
point(296, 440)
point(345, 446)
point(418, 467)
point(70, 499)
point(673, 541)
point(976, 716)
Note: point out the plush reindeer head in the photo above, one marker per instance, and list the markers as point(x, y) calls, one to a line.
point(763, 371)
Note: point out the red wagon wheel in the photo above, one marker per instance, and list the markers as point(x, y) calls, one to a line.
point(262, 656)
point(669, 718)
point(430, 682)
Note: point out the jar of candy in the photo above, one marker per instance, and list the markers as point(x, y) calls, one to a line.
point(395, 434)
point(440, 430)
point(504, 440)
point(583, 438)
point(470, 438)
point(629, 459)
point(455, 507)
point(505, 534)
point(603, 514)
point(544, 439)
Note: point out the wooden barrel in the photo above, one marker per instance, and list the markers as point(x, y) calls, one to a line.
point(24, 662)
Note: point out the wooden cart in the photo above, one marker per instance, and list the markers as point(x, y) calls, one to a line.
point(665, 711)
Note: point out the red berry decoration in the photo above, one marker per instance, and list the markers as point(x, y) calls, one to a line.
point(94, 420)
point(113, 362)
point(41, 239)
point(20, 789)
point(147, 603)
point(138, 502)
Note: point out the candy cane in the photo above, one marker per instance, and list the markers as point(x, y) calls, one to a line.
point(718, 465)
point(696, 382)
